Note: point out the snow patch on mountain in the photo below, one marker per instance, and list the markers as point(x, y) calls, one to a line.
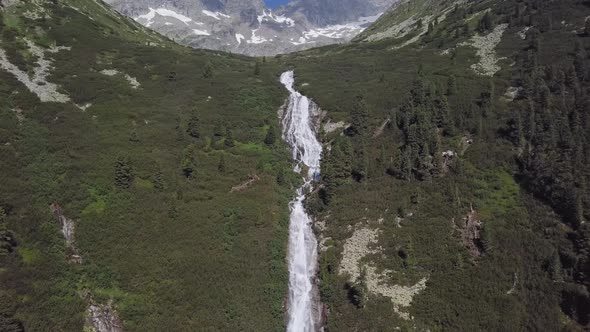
point(301, 41)
point(254, 39)
point(338, 31)
point(268, 16)
point(215, 15)
point(201, 32)
point(248, 27)
point(239, 38)
point(148, 19)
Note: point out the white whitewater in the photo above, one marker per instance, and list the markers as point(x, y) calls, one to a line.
point(298, 132)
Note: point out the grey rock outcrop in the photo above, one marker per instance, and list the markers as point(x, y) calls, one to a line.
point(248, 27)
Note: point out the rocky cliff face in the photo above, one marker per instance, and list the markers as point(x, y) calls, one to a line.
point(248, 27)
point(331, 12)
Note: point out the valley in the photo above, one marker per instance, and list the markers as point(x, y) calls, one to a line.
point(427, 175)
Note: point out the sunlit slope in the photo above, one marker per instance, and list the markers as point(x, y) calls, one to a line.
point(455, 196)
point(156, 153)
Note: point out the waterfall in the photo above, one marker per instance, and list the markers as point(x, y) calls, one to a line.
point(298, 132)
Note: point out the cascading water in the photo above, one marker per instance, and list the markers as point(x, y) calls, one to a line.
point(298, 132)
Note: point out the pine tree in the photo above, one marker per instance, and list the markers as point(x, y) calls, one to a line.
point(7, 241)
point(577, 209)
point(408, 254)
point(359, 117)
point(534, 40)
point(466, 30)
point(194, 124)
point(336, 166)
point(406, 164)
point(123, 172)
point(159, 180)
point(257, 68)
point(179, 131)
point(341, 158)
point(393, 164)
point(554, 267)
point(221, 164)
point(485, 239)
point(443, 116)
point(229, 139)
point(486, 23)
point(424, 164)
point(133, 136)
point(418, 91)
point(580, 62)
point(208, 70)
point(382, 155)
point(358, 292)
point(485, 102)
point(188, 162)
point(437, 158)
point(360, 162)
point(451, 85)
point(219, 130)
point(359, 131)
point(571, 78)
point(271, 136)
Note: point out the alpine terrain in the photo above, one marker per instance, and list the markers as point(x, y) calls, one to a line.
point(249, 27)
point(428, 171)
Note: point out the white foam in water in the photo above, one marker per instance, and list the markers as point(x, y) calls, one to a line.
point(298, 132)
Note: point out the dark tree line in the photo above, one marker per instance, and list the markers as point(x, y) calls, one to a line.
point(550, 128)
point(423, 118)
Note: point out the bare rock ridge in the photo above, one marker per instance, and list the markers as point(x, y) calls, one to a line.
point(248, 27)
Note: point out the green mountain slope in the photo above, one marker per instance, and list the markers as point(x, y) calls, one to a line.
point(468, 207)
point(141, 151)
point(454, 193)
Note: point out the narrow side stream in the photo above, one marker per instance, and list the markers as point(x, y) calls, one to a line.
point(298, 131)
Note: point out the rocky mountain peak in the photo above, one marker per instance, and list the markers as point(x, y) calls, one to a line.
point(249, 27)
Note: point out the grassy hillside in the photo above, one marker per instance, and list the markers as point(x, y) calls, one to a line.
point(145, 172)
point(454, 192)
point(527, 267)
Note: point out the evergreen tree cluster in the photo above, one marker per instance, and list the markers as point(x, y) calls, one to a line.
point(123, 172)
point(348, 156)
point(7, 240)
point(422, 118)
point(337, 166)
point(550, 128)
point(188, 162)
point(359, 134)
point(194, 125)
